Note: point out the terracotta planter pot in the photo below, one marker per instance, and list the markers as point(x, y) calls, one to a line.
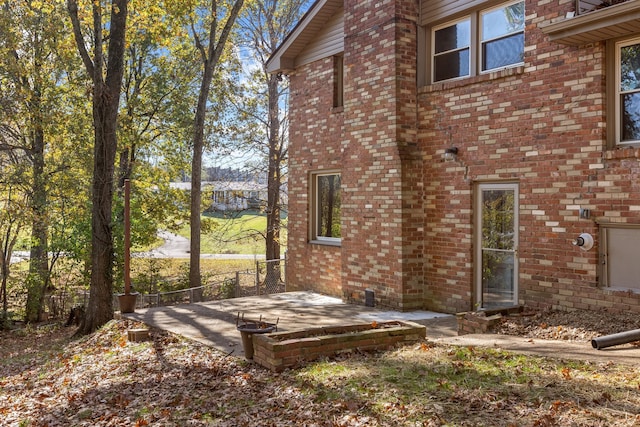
point(127, 302)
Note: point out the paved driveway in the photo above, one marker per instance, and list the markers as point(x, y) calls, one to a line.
point(178, 247)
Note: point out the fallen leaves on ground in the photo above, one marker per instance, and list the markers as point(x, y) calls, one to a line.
point(577, 325)
point(49, 378)
point(105, 380)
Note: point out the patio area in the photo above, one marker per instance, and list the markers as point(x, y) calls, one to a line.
point(214, 323)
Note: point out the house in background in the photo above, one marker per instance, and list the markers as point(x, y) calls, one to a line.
point(231, 196)
point(463, 155)
point(237, 196)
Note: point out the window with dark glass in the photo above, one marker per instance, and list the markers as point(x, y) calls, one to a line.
point(628, 91)
point(451, 51)
point(327, 203)
point(338, 81)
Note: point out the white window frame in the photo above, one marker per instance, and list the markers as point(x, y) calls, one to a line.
point(618, 92)
point(314, 209)
point(476, 43)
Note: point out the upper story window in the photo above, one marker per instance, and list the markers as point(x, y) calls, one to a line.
point(451, 53)
point(338, 81)
point(502, 36)
point(627, 103)
point(585, 6)
point(483, 41)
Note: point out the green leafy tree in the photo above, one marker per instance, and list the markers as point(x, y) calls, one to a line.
point(157, 100)
point(11, 221)
point(31, 72)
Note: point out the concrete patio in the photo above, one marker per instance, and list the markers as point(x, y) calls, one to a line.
point(213, 323)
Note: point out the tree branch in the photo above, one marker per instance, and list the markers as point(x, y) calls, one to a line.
point(219, 48)
point(198, 42)
point(72, 7)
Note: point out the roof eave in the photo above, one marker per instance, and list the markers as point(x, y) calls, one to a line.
point(283, 59)
point(611, 22)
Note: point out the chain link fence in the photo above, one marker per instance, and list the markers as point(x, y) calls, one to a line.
point(268, 277)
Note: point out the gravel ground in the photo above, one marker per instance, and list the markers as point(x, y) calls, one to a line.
point(568, 325)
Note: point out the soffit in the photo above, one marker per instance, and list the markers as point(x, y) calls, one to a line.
point(611, 22)
point(283, 59)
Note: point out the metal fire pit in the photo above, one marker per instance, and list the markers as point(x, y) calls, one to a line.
point(249, 327)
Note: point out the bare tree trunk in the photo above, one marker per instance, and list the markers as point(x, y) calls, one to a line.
point(38, 278)
point(196, 185)
point(210, 57)
point(7, 242)
point(3, 294)
point(272, 250)
point(100, 305)
point(267, 24)
point(106, 98)
point(4, 272)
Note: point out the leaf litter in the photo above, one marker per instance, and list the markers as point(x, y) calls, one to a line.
point(49, 378)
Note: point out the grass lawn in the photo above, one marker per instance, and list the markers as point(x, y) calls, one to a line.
point(153, 275)
point(234, 233)
point(226, 233)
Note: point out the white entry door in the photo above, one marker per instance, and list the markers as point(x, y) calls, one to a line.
point(496, 257)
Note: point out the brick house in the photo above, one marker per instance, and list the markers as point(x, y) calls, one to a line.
point(448, 155)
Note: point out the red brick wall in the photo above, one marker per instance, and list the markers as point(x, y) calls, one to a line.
point(382, 242)
point(543, 126)
point(407, 216)
point(316, 142)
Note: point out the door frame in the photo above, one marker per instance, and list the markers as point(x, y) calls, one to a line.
point(477, 239)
